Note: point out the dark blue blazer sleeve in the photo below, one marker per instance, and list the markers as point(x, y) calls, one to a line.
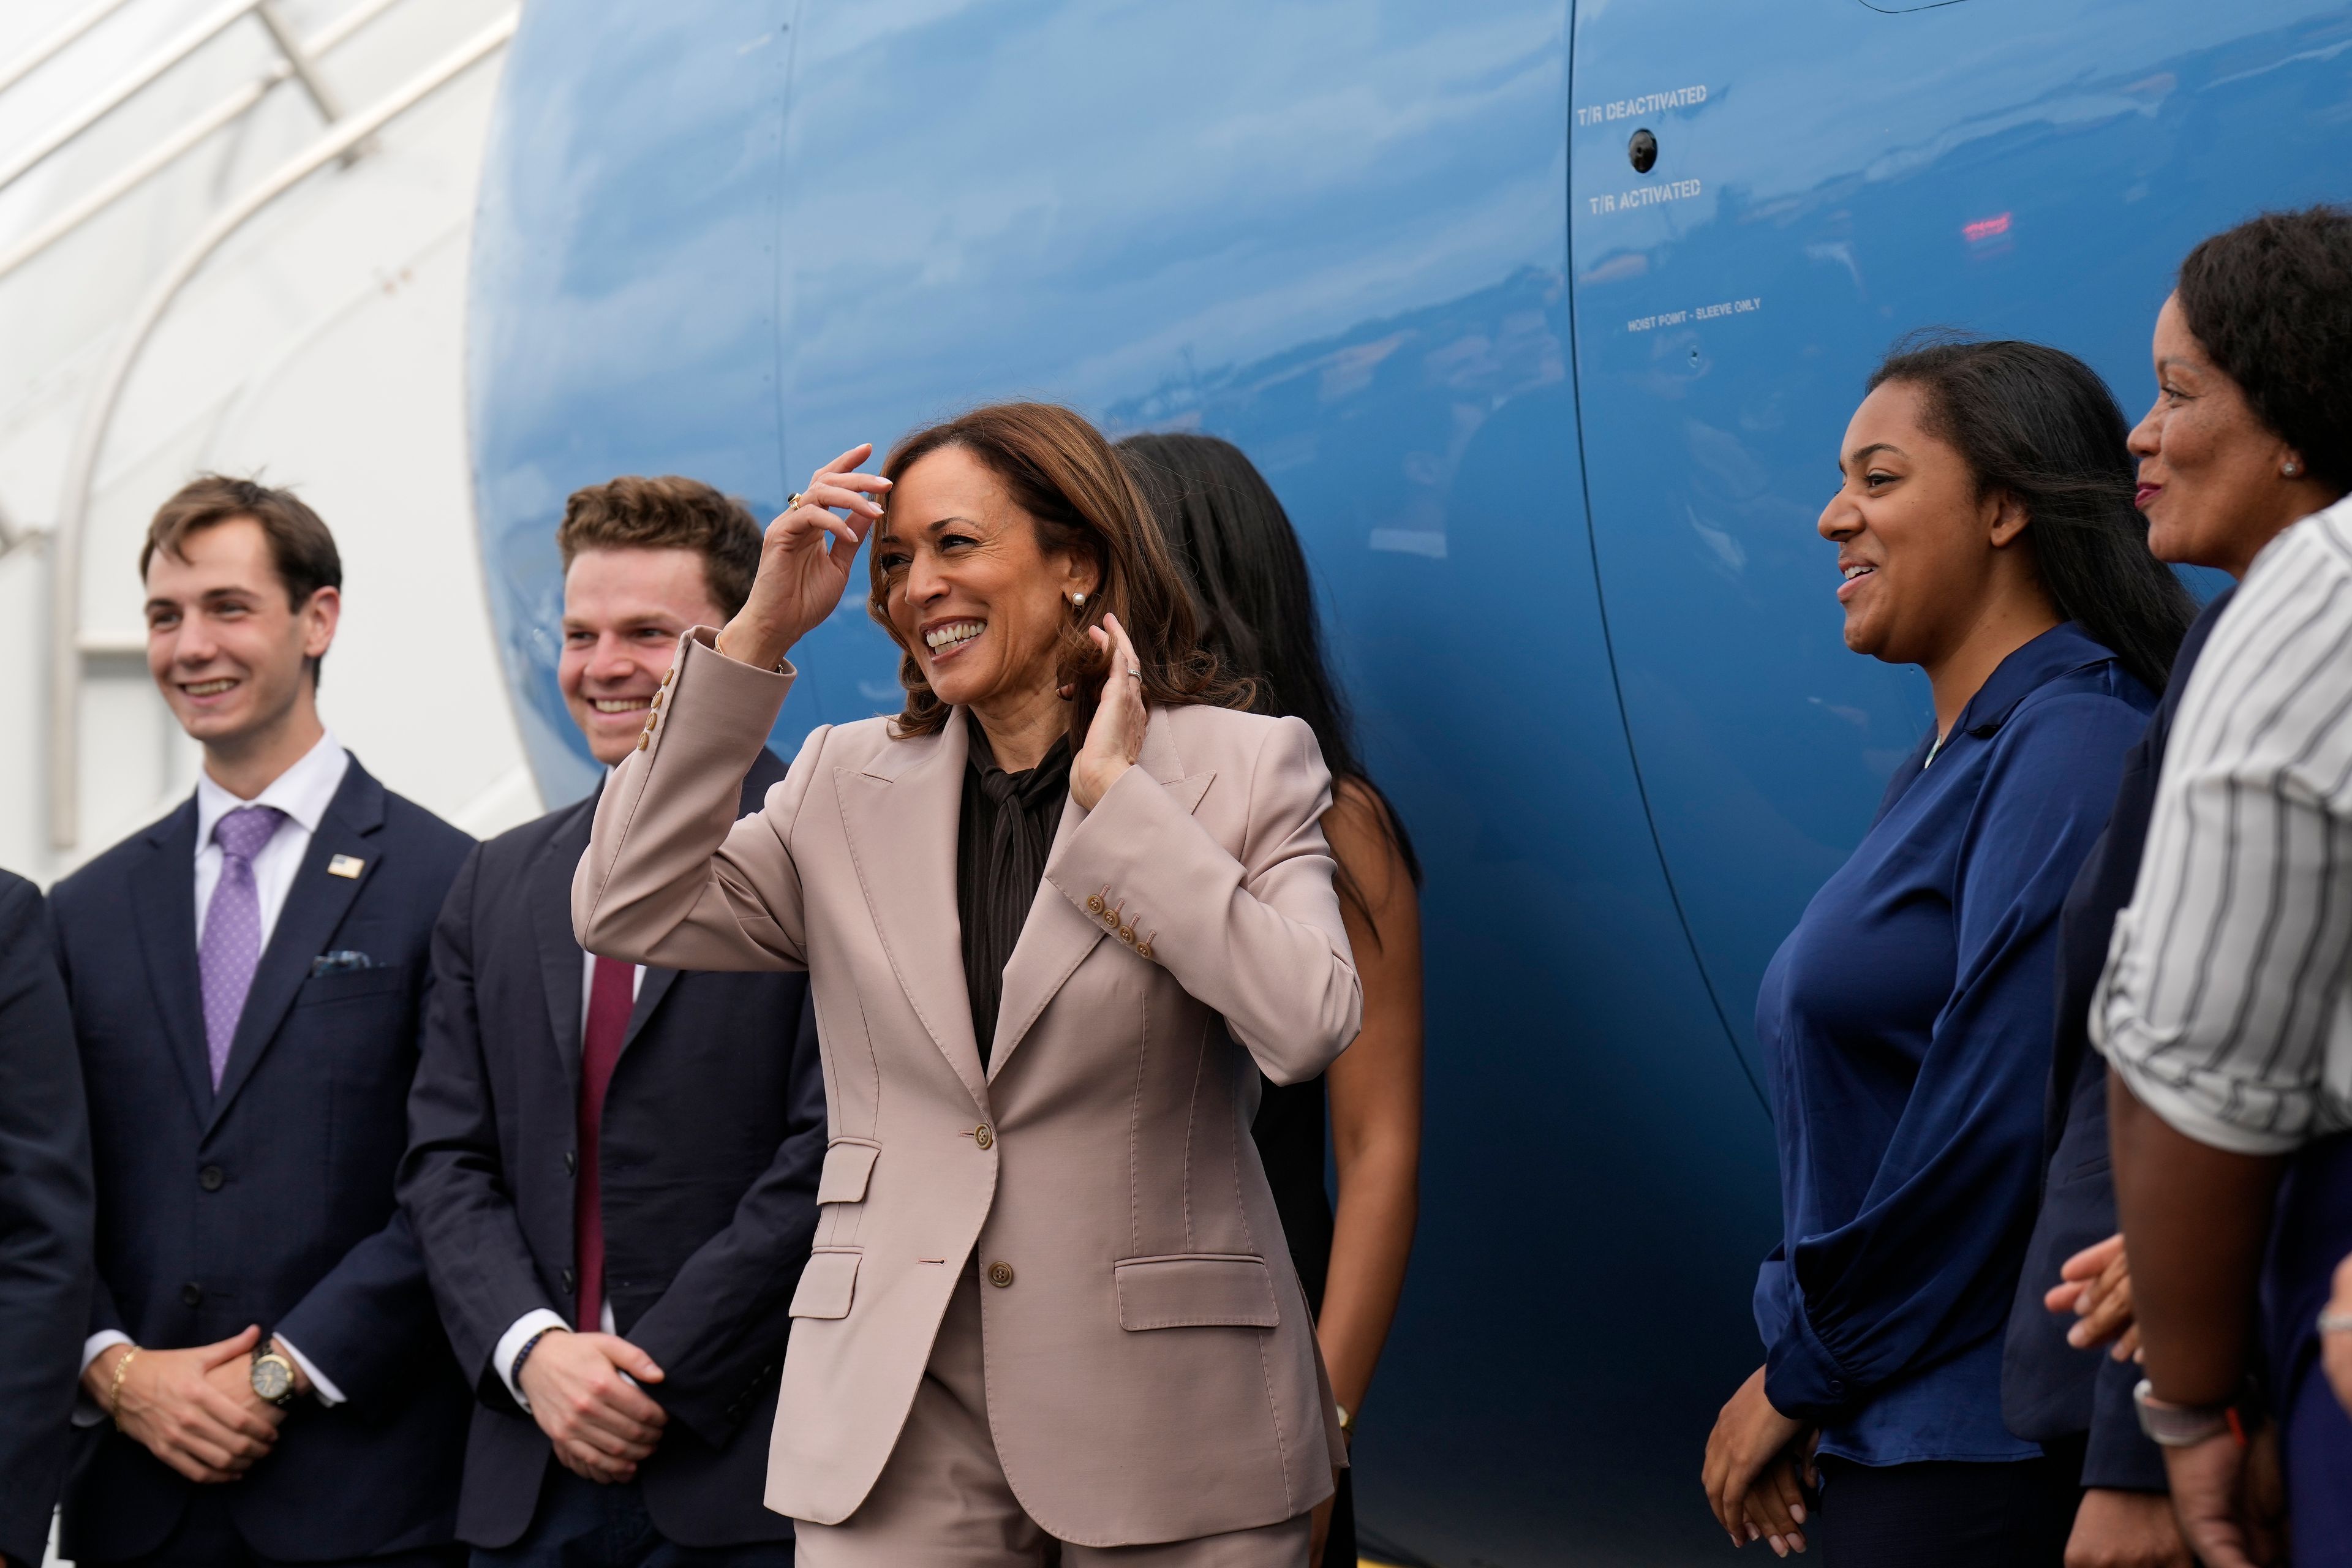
point(46, 1218)
point(450, 1183)
point(720, 1330)
point(1864, 1304)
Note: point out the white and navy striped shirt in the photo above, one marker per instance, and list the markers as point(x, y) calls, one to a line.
point(2224, 1004)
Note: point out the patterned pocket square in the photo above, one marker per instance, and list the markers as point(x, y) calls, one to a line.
point(343, 962)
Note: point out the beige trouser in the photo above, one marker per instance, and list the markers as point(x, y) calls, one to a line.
point(942, 1501)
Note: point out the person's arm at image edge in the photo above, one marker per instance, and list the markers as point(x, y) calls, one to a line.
point(45, 1218)
point(1375, 1090)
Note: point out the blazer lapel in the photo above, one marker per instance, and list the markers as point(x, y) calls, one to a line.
point(650, 991)
point(1057, 936)
point(901, 815)
point(315, 905)
point(164, 913)
point(563, 966)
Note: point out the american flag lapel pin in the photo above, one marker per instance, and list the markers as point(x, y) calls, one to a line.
point(346, 866)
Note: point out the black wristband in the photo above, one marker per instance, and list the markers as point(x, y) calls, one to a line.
point(514, 1372)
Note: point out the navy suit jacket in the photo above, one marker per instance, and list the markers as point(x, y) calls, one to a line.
point(269, 1202)
point(45, 1222)
point(713, 1135)
point(2049, 1390)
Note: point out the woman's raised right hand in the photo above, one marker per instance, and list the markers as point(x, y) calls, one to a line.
point(802, 574)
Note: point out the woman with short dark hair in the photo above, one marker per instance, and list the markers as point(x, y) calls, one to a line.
point(1985, 532)
point(2250, 436)
point(1230, 531)
point(1056, 915)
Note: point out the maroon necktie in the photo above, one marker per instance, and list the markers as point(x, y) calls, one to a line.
point(610, 997)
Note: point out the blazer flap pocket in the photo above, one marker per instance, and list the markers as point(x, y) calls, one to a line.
point(827, 1284)
point(847, 1164)
point(1195, 1289)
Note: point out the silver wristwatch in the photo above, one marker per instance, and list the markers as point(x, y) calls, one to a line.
point(2182, 1425)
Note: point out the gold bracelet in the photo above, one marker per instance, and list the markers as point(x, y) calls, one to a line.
point(114, 1394)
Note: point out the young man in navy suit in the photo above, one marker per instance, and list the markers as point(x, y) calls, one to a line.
point(614, 1169)
point(265, 1379)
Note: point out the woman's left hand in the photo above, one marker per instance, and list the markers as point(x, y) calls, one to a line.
point(1748, 1435)
point(2096, 1286)
point(1115, 738)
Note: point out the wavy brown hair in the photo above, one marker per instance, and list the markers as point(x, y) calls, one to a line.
point(1058, 468)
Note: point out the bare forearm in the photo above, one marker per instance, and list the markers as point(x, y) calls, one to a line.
point(1375, 1093)
point(1371, 1240)
point(2195, 1219)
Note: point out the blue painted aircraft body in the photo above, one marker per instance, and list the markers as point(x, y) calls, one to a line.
point(1555, 432)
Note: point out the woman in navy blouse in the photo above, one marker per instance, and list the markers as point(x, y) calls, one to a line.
point(1985, 532)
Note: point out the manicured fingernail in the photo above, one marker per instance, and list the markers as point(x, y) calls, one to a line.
point(1753, 1533)
point(1780, 1546)
point(1797, 1511)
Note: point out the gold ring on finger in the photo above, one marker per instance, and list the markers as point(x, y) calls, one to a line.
point(792, 500)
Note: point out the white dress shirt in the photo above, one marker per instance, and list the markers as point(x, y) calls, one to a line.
point(2225, 1004)
point(538, 1319)
point(303, 792)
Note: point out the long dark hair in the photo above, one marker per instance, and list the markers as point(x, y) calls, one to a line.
point(1060, 470)
point(1257, 601)
point(2041, 427)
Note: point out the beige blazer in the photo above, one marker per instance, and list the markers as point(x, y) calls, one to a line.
point(1152, 1371)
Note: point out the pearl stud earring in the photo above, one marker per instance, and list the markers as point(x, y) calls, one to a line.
point(1077, 600)
point(2292, 469)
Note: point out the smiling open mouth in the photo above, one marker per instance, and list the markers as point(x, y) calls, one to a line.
point(208, 688)
point(954, 635)
point(1853, 571)
point(620, 704)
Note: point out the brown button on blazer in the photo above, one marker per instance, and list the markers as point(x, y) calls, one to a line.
point(1153, 1372)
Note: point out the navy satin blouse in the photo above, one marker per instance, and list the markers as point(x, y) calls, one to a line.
point(1906, 1038)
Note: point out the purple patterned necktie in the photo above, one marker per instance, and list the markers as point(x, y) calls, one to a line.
point(231, 949)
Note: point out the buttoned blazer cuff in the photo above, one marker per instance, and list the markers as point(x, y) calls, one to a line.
point(730, 706)
point(1802, 1378)
point(1243, 940)
point(1137, 841)
point(710, 721)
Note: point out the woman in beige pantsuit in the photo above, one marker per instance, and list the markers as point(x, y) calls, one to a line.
point(1049, 1314)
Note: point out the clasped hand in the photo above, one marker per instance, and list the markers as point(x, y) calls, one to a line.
point(193, 1409)
point(603, 1425)
point(1757, 1470)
